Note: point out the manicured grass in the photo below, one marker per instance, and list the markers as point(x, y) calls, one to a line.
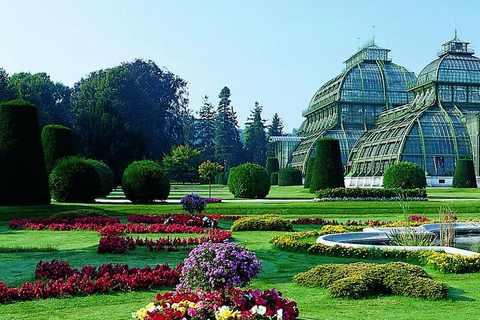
point(79, 248)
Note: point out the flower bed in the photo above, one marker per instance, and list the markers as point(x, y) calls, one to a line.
point(176, 218)
point(213, 200)
point(62, 280)
point(62, 224)
point(371, 194)
point(226, 304)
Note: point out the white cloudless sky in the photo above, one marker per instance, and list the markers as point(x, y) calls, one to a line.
point(277, 52)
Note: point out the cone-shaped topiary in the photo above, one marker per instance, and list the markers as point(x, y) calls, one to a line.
point(405, 175)
point(249, 180)
point(308, 172)
point(107, 181)
point(464, 175)
point(144, 182)
point(74, 179)
point(327, 169)
point(289, 177)
point(57, 142)
point(23, 177)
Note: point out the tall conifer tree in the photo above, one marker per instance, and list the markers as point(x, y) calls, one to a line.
point(255, 137)
point(205, 129)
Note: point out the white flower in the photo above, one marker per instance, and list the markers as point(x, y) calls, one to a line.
point(261, 310)
point(279, 314)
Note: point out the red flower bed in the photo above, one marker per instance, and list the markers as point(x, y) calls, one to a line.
point(63, 224)
point(63, 280)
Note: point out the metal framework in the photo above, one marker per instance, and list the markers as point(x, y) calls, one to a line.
point(348, 105)
point(431, 130)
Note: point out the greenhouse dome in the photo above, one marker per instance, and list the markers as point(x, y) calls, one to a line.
point(439, 126)
point(349, 104)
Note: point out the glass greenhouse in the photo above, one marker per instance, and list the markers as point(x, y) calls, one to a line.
point(439, 126)
point(348, 105)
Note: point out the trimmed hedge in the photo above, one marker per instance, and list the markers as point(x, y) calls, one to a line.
point(372, 193)
point(57, 142)
point(23, 176)
point(290, 177)
point(107, 180)
point(327, 168)
point(464, 175)
point(74, 179)
point(274, 179)
point(272, 165)
point(360, 280)
point(144, 182)
point(268, 222)
point(80, 213)
point(308, 172)
point(249, 180)
point(405, 175)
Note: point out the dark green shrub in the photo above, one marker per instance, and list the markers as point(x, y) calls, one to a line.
point(274, 179)
point(74, 179)
point(289, 177)
point(107, 180)
point(249, 180)
point(80, 213)
point(372, 193)
point(144, 182)
point(308, 172)
point(271, 165)
point(57, 142)
point(23, 177)
point(464, 175)
point(354, 287)
point(266, 222)
point(405, 175)
point(327, 168)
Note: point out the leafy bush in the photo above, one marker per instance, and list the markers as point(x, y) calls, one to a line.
point(271, 165)
point(219, 265)
point(144, 182)
point(464, 175)
point(308, 172)
point(107, 181)
point(274, 179)
point(289, 177)
point(193, 203)
point(360, 280)
point(405, 175)
point(74, 179)
point(266, 222)
point(249, 180)
point(24, 179)
point(80, 213)
point(327, 168)
point(57, 142)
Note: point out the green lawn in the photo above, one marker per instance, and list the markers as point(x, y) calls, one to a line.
point(79, 248)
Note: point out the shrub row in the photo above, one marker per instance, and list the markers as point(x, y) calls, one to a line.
point(360, 280)
point(441, 261)
point(392, 193)
point(266, 222)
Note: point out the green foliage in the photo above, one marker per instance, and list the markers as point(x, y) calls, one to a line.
point(208, 170)
point(182, 164)
point(144, 182)
point(107, 180)
point(74, 179)
point(405, 175)
point(57, 142)
point(308, 172)
point(360, 280)
point(255, 137)
point(222, 178)
point(327, 169)
point(272, 165)
point(274, 179)
point(404, 194)
point(289, 177)
point(80, 213)
point(205, 130)
point(268, 222)
point(464, 175)
point(4, 90)
point(23, 176)
point(249, 180)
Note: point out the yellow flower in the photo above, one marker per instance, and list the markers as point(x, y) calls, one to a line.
point(140, 314)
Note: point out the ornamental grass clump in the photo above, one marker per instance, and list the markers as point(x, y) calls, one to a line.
point(193, 203)
point(213, 266)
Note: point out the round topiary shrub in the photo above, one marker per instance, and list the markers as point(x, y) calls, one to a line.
point(23, 177)
point(274, 179)
point(107, 181)
point(405, 175)
point(74, 179)
point(144, 182)
point(249, 180)
point(214, 266)
point(308, 172)
point(57, 142)
point(289, 177)
point(327, 169)
point(272, 165)
point(464, 175)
